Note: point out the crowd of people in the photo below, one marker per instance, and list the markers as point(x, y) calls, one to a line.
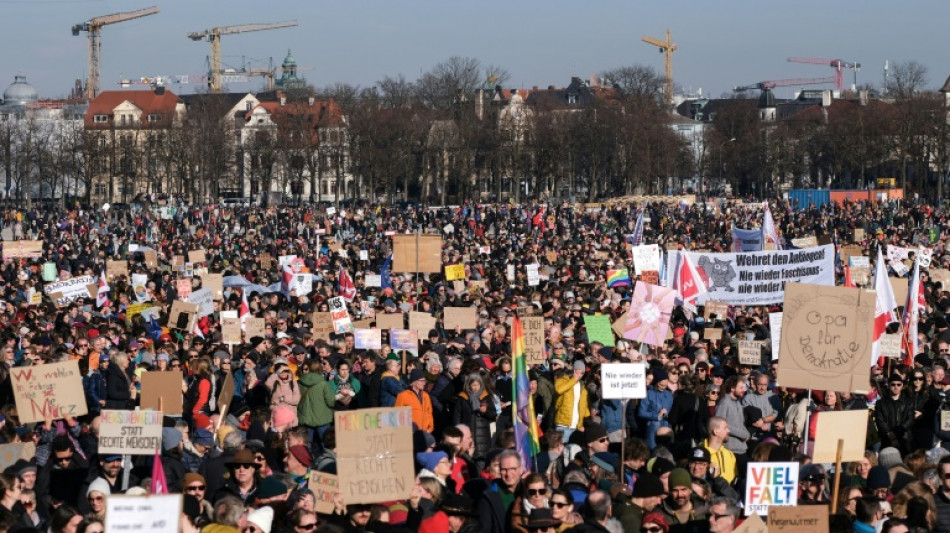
point(672, 462)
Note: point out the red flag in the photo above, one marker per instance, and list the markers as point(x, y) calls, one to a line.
point(688, 283)
point(848, 282)
point(286, 279)
point(245, 310)
point(346, 288)
point(102, 297)
point(159, 485)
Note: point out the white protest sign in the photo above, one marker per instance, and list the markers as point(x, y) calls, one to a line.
point(533, 277)
point(373, 280)
point(285, 260)
point(770, 484)
point(70, 290)
point(368, 339)
point(130, 432)
point(891, 345)
point(143, 514)
point(140, 287)
point(340, 316)
point(204, 300)
point(623, 381)
point(301, 283)
point(364, 255)
point(775, 328)
point(510, 272)
point(646, 257)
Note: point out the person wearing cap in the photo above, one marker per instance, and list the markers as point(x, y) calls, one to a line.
point(390, 382)
point(460, 511)
point(418, 399)
point(281, 387)
point(110, 470)
point(894, 416)
point(571, 407)
point(194, 485)
point(297, 463)
point(243, 480)
point(681, 507)
point(655, 408)
point(811, 481)
point(630, 508)
point(698, 465)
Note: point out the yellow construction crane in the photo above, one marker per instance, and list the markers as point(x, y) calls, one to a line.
point(214, 36)
point(93, 26)
point(666, 47)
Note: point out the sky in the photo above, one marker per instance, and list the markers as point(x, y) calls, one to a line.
point(540, 42)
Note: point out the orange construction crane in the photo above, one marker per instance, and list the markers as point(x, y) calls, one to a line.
point(666, 47)
point(214, 36)
point(93, 26)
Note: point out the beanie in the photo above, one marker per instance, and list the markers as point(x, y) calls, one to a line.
point(262, 518)
point(889, 457)
point(679, 477)
point(99, 485)
point(429, 460)
point(594, 432)
point(302, 454)
point(284, 417)
point(878, 478)
point(192, 477)
point(171, 438)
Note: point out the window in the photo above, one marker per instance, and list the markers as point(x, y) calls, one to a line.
point(572, 98)
point(124, 120)
point(102, 142)
point(100, 119)
point(155, 117)
point(248, 105)
point(101, 189)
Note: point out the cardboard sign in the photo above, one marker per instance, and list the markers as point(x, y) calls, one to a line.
point(322, 325)
point(372, 280)
point(130, 432)
point(178, 261)
point(826, 338)
point(422, 323)
point(117, 268)
point(891, 345)
point(775, 333)
point(374, 454)
point(53, 389)
point(143, 514)
point(648, 320)
point(368, 339)
point(197, 256)
point(712, 334)
point(183, 316)
point(325, 487)
point(852, 250)
point(534, 277)
point(214, 283)
point(254, 327)
point(25, 249)
point(230, 330)
point(753, 524)
point(460, 317)
point(720, 309)
point(851, 426)
point(417, 253)
point(528, 310)
point(942, 276)
point(750, 352)
point(599, 329)
point(72, 289)
point(770, 484)
point(899, 286)
point(800, 519)
point(164, 386)
point(151, 259)
point(391, 321)
point(944, 420)
point(11, 453)
point(227, 391)
point(619, 325)
point(551, 256)
point(623, 381)
point(533, 340)
point(805, 242)
point(859, 234)
point(454, 272)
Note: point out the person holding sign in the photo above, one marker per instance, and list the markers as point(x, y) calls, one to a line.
point(476, 409)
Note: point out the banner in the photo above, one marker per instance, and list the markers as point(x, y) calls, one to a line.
point(25, 249)
point(53, 390)
point(374, 454)
point(769, 484)
point(130, 432)
point(746, 240)
point(757, 278)
point(404, 339)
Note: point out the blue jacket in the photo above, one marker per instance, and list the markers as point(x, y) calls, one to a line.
point(611, 415)
point(389, 387)
point(649, 411)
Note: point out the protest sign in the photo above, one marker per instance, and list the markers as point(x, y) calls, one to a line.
point(183, 289)
point(942, 276)
point(650, 276)
point(770, 484)
point(598, 329)
point(197, 256)
point(215, 284)
point(130, 432)
point(404, 339)
point(49, 272)
point(140, 287)
point(374, 454)
point(753, 524)
point(648, 319)
point(623, 381)
point(72, 289)
point(746, 240)
point(460, 317)
point(799, 519)
point(151, 259)
point(254, 327)
point(646, 257)
point(340, 315)
point(720, 309)
point(391, 321)
point(620, 325)
point(849, 251)
point(53, 390)
point(325, 487)
point(178, 261)
point(775, 333)
point(712, 334)
point(322, 326)
point(368, 339)
point(533, 340)
point(143, 514)
point(454, 272)
point(183, 316)
point(230, 330)
point(805, 242)
point(366, 323)
point(849, 426)
point(11, 453)
point(826, 337)
point(117, 268)
point(858, 234)
point(899, 286)
point(422, 323)
point(161, 391)
point(757, 278)
point(204, 300)
point(750, 352)
point(891, 345)
point(227, 391)
point(372, 280)
point(417, 253)
point(534, 278)
point(25, 249)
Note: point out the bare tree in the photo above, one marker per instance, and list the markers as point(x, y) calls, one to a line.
point(907, 78)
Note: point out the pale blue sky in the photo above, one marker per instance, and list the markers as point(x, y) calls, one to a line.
point(721, 43)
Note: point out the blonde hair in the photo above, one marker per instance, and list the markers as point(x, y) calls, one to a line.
point(120, 357)
point(910, 491)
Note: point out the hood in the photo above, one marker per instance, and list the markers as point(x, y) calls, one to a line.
point(311, 379)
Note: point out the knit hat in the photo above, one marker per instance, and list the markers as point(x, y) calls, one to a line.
point(171, 438)
point(889, 458)
point(580, 365)
point(202, 421)
point(269, 487)
point(99, 485)
point(659, 375)
point(284, 417)
point(429, 460)
point(648, 486)
point(302, 454)
point(203, 437)
point(221, 433)
point(659, 466)
point(878, 478)
point(192, 477)
point(262, 518)
point(605, 460)
point(594, 432)
point(656, 517)
point(679, 477)
point(416, 375)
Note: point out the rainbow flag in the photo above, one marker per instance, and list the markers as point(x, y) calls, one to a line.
point(618, 278)
point(527, 433)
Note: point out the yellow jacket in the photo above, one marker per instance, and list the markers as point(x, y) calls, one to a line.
point(724, 459)
point(564, 405)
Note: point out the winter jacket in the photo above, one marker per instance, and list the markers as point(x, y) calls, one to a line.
point(390, 385)
point(421, 408)
point(649, 412)
point(316, 407)
point(353, 384)
point(689, 417)
point(564, 405)
point(611, 415)
point(731, 410)
point(893, 419)
point(724, 459)
point(119, 396)
point(283, 392)
point(479, 422)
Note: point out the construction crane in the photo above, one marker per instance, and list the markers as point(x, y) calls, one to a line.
point(93, 26)
point(771, 84)
point(666, 47)
point(214, 36)
point(837, 64)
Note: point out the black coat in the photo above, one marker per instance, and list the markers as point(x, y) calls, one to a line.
point(479, 422)
point(119, 396)
point(688, 417)
point(893, 419)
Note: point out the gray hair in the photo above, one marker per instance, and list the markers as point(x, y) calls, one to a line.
point(731, 507)
point(233, 441)
point(228, 511)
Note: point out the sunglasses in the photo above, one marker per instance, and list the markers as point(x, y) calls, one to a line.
point(307, 527)
point(652, 529)
point(714, 393)
point(66, 459)
point(560, 505)
point(243, 467)
point(195, 488)
point(918, 378)
point(536, 492)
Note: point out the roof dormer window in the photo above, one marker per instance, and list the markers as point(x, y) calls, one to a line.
point(100, 119)
point(155, 117)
